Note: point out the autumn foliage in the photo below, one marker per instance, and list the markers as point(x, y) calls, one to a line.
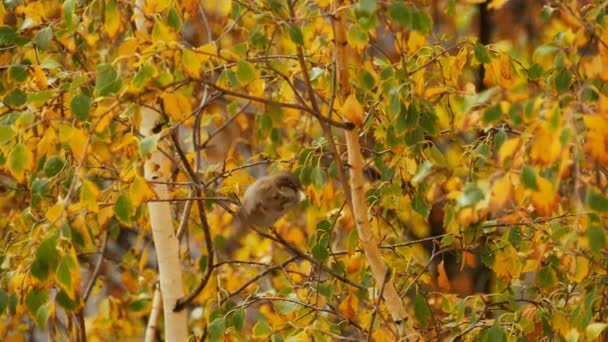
point(481, 128)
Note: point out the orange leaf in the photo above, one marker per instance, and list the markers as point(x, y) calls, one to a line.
point(349, 306)
point(545, 199)
point(442, 278)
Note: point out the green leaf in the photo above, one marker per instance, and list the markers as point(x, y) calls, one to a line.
point(39, 96)
point(173, 19)
point(563, 78)
point(18, 73)
point(68, 12)
point(320, 252)
point(547, 277)
point(81, 105)
point(394, 105)
point(203, 263)
point(148, 144)
point(428, 122)
point(493, 334)
point(528, 177)
point(422, 311)
point(15, 98)
point(367, 6)
point(492, 113)
point(326, 290)
point(482, 54)
point(42, 316)
point(295, 34)
point(19, 159)
point(35, 299)
point(65, 301)
point(143, 76)
point(597, 239)
point(284, 307)
point(596, 201)
point(238, 319)
point(499, 138)
point(6, 133)
point(40, 186)
point(245, 72)
point(470, 196)
point(53, 166)
point(421, 21)
point(261, 329)
point(413, 137)
point(217, 329)
point(401, 13)
point(43, 38)
point(107, 81)
point(64, 276)
point(8, 35)
point(40, 269)
point(123, 209)
point(3, 300)
point(535, 71)
point(139, 305)
point(420, 205)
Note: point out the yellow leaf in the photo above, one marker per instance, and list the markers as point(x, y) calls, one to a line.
point(192, 63)
point(88, 196)
point(156, 6)
point(219, 8)
point(502, 191)
point(349, 306)
point(39, 77)
point(582, 269)
point(54, 212)
point(545, 199)
point(46, 145)
point(497, 4)
point(415, 41)
point(176, 105)
point(433, 91)
point(162, 32)
point(507, 264)
point(113, 20)
point(20, 160)
point(546, 147)
point(352, 110)
point(382, 335)
point(139, 191)
point(207, 51)
point(76, 139)
point(596, 144)
point(508, 151)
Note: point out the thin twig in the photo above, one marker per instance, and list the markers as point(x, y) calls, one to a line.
point(95, 274)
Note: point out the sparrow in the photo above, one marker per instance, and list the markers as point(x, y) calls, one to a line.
point(269, 198)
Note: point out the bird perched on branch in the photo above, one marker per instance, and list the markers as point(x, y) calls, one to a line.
point(265, 201)
point(269, 198)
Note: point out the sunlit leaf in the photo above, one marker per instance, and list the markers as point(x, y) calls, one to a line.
point(20, 159)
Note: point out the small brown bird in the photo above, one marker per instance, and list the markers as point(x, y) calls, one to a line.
point(269, 198)
point(264, 202)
